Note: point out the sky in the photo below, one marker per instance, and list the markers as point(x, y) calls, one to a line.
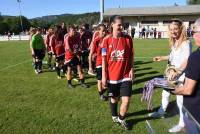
point(38, 8)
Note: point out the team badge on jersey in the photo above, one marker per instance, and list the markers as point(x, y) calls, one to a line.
point(103, 51)
point(117, 55)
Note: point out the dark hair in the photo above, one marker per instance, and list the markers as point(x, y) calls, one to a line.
point(114, 18)
point(87, 26)
point(71, 27)
point(39, 29)
point(58, 32)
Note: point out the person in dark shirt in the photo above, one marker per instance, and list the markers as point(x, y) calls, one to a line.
point(191, 87)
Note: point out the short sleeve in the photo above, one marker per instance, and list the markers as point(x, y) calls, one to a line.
point(104, 47)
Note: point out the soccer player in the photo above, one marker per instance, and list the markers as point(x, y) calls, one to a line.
point(72, 43)
point(32, 31)
point(117, 69)
point(86, 38)
point(57, 46)
point(97, 50)
point(38, 49)
point(48, 47)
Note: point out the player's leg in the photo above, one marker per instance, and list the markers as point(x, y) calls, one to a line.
point(69, 77)
point(99, 85)
point(81, 76)
point(58, 67)
point(113, 93)
point(49, 60)
point(125, 93)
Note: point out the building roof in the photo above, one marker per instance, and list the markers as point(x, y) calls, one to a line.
point(152, 11)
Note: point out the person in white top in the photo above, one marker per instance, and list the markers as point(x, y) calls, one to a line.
point(180, 51)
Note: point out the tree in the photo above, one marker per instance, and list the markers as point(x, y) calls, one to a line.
point(193, 2)
point(3, 27)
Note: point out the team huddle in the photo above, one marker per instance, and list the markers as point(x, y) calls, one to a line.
point(108, 53)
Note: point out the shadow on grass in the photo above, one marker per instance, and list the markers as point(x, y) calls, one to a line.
point(142, 62)
point(142, 69)
point(137, 91)
point(171, 112)
point(142, 74)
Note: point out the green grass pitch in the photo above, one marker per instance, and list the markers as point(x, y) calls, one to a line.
point(41, 104)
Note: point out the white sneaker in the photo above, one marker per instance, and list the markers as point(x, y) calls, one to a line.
point(175, 129)
point(115, 119)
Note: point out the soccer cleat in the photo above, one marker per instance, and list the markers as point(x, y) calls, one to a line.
point(39, 71)
point(36, 71)
point(103, 97)
point(84, 85)
point(59, 77)
point(157, 114)
point(70, 86)
point(115, 119)
point(75, 79)
point(91, 73)
point(123, 124)
point(176, 129)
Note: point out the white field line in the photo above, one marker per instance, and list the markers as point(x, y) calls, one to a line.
point(11, 66)
point(150, 128)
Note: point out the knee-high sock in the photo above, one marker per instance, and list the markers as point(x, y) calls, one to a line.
point(113, 108)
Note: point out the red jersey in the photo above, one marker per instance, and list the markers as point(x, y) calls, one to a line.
point(118, 53)
point(97, 49)
point(73, 44)
point(57, 46)
point(47, 42)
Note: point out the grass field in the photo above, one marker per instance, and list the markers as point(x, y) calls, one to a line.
point(41, 104)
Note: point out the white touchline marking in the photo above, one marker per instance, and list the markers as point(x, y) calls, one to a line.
point(150, 128)
point(31, 59)
point(15, 65)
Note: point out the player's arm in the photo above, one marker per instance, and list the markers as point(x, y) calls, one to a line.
point(46, 41)
point(132, 73)
point(104, 63)
point(52, 44)
point(92, 47)
point(31, 48)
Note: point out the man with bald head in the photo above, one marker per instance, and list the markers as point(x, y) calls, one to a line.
point(191, 88)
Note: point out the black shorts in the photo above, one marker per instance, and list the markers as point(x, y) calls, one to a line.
point(60, 58)
point(74, 62)
point(120, 89)
point(39, 54)
point(99, 73)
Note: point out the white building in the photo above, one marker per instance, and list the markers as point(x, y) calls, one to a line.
point(156, 17)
